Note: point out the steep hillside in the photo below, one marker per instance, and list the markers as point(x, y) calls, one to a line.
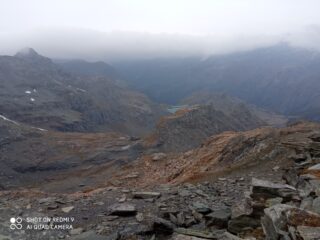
point(188, 127)
point(281, 78)
point(259, 152)
point(34, 90)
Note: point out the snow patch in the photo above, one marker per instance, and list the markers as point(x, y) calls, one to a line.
point(126, 147)
point(14, 122)
point(80, 89)
point(6, 119)
point(32, 99)
point(40, 129)
point(28, 92)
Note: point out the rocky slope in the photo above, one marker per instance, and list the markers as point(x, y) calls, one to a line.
point(188, 127)
point(262, 184)
point(34, 90)
point(235, 153)
point(31, 156)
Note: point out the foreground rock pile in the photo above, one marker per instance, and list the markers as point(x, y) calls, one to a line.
point(298, 215)
point(285, 211)
point(188, 211)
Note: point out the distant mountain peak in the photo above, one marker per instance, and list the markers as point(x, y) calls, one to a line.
point(31, 55)
point(27, 52)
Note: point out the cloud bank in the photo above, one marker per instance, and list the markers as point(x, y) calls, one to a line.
point(123, 29)
point(114, 46)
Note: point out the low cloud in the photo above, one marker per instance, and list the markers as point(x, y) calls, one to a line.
point(119, 45)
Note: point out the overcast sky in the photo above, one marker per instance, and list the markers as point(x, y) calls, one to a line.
point(110, 29)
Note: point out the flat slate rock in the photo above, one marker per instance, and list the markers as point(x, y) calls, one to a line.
point(146, 195)
point(269, 189)
point(123, 209)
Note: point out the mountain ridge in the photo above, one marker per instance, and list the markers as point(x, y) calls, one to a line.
point(36, 91)
point(280, 78)
point(188, 127)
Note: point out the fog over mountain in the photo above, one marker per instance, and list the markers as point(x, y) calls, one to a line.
point(117, 30)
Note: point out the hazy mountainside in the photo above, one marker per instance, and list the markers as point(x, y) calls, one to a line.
point(228, 104)
point(84, 68)
point(36, 91)
point(280, 78)
point(187, 128)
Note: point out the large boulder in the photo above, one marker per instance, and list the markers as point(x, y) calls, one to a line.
point(280, 218)
point(265, 189)
point(274, 222)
